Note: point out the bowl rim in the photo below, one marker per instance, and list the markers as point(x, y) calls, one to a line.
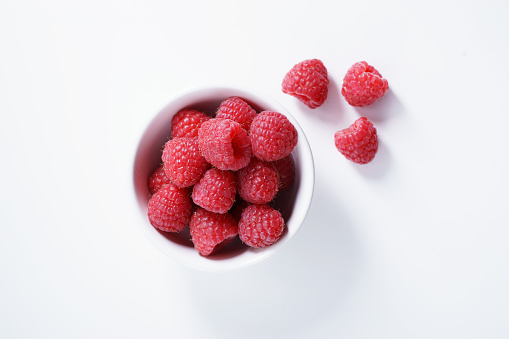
point(202, 92)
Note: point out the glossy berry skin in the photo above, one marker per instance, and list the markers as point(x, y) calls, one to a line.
point(224, 144)
point(308, 82)
point(187, 122)
point(169, 209)
point(157, 180)
point(183, 163)
point(260, 226)
point(363, 85)
point(238, 110)
point(211, 231)
point(258, 182)
point(216, 190)
point(272, 135)
point(359, 142)
point(286, 170)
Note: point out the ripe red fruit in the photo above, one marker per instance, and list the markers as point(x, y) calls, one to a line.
point(211, 231)
point(187, 122)
point(260, 226)
point(238, 110)
point(216, 190)
point(258, 182)
point(308, 82)
point(157, 180)
point(286, 170)
point(169, 209)
point(363, 85)
point(359, 142)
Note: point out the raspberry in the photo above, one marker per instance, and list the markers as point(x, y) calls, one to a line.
point(216, 190)
point(260, 226)
point(183, 163)
point(157, 180)
point(211, 231)
point(272, 136)
point(359, 142)
point(224, 143)
point(258, 182)
point(187, 122)
point(363, 85)
point(308, 82)
point(286, 170)
point(169, 209)
point(238, 110)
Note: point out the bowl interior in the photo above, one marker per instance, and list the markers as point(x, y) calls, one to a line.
point(292, 203)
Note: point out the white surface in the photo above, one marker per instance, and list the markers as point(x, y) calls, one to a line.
point(413, 245)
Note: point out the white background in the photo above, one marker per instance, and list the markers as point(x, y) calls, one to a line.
point(413, 245)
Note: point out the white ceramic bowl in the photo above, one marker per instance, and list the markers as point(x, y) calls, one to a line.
point(293, 203)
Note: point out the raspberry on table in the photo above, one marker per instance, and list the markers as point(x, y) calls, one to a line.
point(224, 144)
point(308, 82)
point(258, 182)
point(216, 190)
point(260, 226)
point(286, 170)
point(157, 180)
point(363, 85)
point(169, 209)
point(187, 122)
point(359, 142)
point(272, 135)
point(183, 163)
point(238, 110)
point(211, 231)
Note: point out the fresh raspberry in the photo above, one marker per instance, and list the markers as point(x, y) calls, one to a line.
point(224, 143)
point(286, 170)
point(187, 122)
point(260, 226)
point(183, 163)
point(308, 82)
point(211, 231)
point(238, 110)
point(216, 190)
point(272, 136)
point(169, 209)
point(363, 85)
point(258, 182)
point(359, 142)
point(157, 180)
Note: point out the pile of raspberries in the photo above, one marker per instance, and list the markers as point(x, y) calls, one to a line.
point(220, 175)
point(362, 86)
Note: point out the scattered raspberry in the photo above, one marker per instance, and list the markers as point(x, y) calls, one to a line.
point(359, 142)
point(225, 144)
point(308, 82)
point(258, 182)
point(183, 163)
point(216, 190)
point(363, 85)
point(286, 170)
point(157, 180)
point(187, 122)
point(169, 209)
point(238, 110)
point(211, 231)
point(260, 226)
point(272, 136)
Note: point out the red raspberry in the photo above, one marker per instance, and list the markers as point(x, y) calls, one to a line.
point(238, 110)
point(211, 231)
point(187, 122)
point(272, 136)
point(216, 190)
point(169, 209)
point(286, 170)
point(225, 144)
point(260, 226)
point(258, 182)
point(363, 85)
point(183, 163)
point(308, 82)
point(359, 142)
point(157, 180)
